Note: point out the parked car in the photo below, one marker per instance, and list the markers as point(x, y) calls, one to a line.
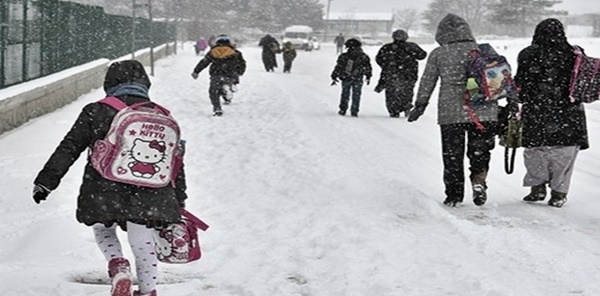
point(301, 37)
point(369, 41)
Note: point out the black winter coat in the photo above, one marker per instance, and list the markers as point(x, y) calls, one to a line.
point(399, 60)
point(543, 76)
point(224, 60)
point(101, 200)
point(352, 65)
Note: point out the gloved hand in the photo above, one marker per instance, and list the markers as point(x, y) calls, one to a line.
point(334, 81)
point(415, 113)
point(513, 107)
point(368, 80)
point(40, 192)
point(194, 75)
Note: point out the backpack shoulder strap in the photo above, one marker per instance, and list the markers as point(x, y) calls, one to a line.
point(195, 220)
point(113, 102)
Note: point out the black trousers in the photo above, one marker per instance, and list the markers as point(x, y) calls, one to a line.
point(478, 146)
point(216, 90)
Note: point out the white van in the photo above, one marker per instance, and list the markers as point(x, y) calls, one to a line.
point(301, 37)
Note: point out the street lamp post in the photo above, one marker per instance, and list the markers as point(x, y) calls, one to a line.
point(327, 20)
point(133, 36)
point(151, 38)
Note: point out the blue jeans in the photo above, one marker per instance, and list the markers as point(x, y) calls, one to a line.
point(348, 86)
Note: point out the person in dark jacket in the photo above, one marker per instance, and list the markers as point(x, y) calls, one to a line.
point(399, 72)
point(103, 204)
point(227, 64)
point(339, 43)
point(270, 47)
point(289, 54)
point(554, 129)
point(448, 63)
point(351, 67)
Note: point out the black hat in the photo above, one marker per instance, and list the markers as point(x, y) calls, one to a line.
point(223, 39)
point(352, 43)
point(125, 72)
point(400, 35)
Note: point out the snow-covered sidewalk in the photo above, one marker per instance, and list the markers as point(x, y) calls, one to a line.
point(302, 201)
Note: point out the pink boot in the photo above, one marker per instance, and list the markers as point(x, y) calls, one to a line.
point(138, 293)
point(120, 273)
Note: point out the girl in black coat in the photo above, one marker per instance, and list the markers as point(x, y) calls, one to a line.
point(103, 204)
point(554, 129)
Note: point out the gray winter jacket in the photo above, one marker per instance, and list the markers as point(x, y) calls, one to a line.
point(448, 62)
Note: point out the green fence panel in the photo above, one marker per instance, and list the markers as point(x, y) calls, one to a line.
point(41, 37)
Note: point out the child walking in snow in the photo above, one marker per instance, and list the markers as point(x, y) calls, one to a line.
point(351, 66)
point(104, 204)
point(226, 66)
point(289, 54)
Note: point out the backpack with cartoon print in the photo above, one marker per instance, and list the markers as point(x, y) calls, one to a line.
point(179, 243)
point(142, 146)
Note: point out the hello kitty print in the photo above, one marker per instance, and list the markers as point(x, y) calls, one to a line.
point(141, 147)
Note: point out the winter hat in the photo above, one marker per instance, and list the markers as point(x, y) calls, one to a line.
point(352, 43)
point(223, 39)
point(128, 71)
point(400, 35)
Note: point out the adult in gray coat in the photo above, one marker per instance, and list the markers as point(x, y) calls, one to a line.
point(448, 64)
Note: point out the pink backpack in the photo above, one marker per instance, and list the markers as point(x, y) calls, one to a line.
point(141, 147)
point(178, 243)
point(585, 79)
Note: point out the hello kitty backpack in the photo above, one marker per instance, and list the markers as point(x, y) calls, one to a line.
point(141, 147)
point(178, 243)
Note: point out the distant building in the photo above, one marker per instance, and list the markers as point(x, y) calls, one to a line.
point(359, 23)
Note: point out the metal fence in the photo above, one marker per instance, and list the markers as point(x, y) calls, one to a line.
point(41, 37)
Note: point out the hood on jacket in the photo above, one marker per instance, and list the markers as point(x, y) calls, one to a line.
point(453, 28)
point(550, 33)
point(127, 71)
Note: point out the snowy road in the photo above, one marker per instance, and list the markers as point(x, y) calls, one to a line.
point(302, 201)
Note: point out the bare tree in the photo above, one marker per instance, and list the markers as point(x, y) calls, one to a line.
point(475, 12)
point(406, 18)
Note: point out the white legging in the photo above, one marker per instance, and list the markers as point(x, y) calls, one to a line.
point(141, 240)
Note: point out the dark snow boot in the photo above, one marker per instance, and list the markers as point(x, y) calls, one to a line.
point(218, 113)
point(538, 193)
point(452, 201)
point(342, 112)
point(119, 272)
point(479, 188)
point(557, 199)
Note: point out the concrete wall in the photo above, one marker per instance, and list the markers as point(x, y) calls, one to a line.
point(22, 102)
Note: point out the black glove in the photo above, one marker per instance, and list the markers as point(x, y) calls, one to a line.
point(334, 81)
point(40, 192)
point(368, 80)
point(415, 113)
point(513, 107)
point(194, 75)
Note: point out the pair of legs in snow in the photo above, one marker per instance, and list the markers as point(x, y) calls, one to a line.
point(552, 167)
point(479, 145)
point(546, 166)
point(220, 87)
point(348, 87)
point(141, 241)
point(398, 96)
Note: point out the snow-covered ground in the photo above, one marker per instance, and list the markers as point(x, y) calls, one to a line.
point(302, 201)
